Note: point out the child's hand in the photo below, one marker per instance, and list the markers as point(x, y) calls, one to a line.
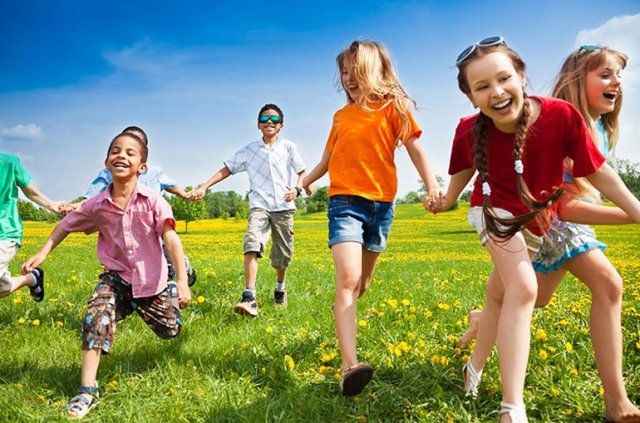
point(32, 263)
point(184, 294)
point(197, 194)
point(291, 194)
point(66, 208)
point(308, 189)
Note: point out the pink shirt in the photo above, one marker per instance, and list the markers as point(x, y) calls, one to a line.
point(130, 240)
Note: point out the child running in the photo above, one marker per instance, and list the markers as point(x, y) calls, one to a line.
point(359, 156)
point(154, 178)
point(518, 145)
point(268, 162)
point(13, 176)
point(590, 80)
point(131, 220)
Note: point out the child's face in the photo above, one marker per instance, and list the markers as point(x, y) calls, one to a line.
point(348, 78)
point(497, 89)
point(270, 129)
point(124, 159)
point(603, 88)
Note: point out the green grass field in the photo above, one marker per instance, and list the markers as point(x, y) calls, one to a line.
point(282, 366)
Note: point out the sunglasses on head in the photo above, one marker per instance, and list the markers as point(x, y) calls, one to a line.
point(487, 42)
point(275, 119)
point(589, 48)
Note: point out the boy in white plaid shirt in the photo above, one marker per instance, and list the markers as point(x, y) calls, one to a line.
point(268, 162)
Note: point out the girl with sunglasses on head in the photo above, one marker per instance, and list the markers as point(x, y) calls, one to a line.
point(359, 156)
point(590, 80)
point(518, 145)
point(268, 161)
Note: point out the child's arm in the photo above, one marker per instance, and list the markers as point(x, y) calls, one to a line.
point(176, 190)
point(607, 181)
point(421, 162)
point(34, 194)
point(199, 192)
point(173, 246)
point(572, 209)
point(57, 236)
point(318, 172)
point(456, 185)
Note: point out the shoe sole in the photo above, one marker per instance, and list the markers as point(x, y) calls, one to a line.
point(241, 310)
point(356, 380)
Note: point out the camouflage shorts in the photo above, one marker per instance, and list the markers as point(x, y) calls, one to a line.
point(112, 301)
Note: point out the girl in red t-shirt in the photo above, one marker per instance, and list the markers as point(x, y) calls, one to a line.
point(518, 145)
point(359, 156)
point(590, 80)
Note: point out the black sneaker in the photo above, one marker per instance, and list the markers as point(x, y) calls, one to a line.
point(247, 305)
point(280, 297)
point(37, 290)
point(191, 277)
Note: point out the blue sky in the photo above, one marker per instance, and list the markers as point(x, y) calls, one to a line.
point(194, 74)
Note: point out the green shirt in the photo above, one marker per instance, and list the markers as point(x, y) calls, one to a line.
point(12, 176)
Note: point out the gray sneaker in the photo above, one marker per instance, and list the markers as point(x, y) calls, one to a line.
point(280, 297)
point(247, 305)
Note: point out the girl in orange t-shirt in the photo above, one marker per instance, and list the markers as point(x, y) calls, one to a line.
point(359, 157)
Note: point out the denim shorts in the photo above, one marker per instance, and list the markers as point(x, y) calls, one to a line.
point(356, 219)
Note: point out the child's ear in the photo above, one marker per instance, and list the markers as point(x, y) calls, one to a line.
point(523, 78)
point(142, 169)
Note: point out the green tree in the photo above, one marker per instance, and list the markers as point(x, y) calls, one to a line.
point(187, 210)
point(318, 201)
point(28, 211)
point(630, 174)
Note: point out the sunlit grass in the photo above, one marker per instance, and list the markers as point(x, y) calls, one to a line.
point(283, 365)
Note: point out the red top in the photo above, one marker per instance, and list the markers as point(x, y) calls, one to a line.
point(558, 132)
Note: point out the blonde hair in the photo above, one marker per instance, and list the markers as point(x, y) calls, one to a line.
point(571, 86)
point(373, 70)
point(497, 227)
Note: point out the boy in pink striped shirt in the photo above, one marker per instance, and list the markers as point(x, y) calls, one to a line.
point(131, 220)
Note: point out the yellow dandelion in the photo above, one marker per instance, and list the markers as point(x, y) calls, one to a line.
point(443, 306)
point(200, 299)
point(268, 329)
point(22, 322)
point(289, 363)
point(59, 324)
point(411, 336)
point(541, 335)
point(569, 347)
point(573, 372)
point(543, 354)
point(17, 300)
point(435, 359)
point(112, 384)
point(36, 322)
point(362, 323)
point(405, 302)
point(412, 309)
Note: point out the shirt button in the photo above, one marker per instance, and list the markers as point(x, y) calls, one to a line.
point(130, 252)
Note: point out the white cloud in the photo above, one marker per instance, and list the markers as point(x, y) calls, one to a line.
point(623, 33)
point(30, 131)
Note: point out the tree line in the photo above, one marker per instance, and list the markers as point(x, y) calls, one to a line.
point(230, 204)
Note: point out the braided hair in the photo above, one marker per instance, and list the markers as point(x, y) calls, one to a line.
point(500, 228)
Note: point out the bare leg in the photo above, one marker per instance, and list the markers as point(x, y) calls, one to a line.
point(369, 260)
point(547, 285)
point(605, 284)
point(513, 265)
point(18, 282)
point(89, 372)
point(347, 257)
point(280, 273)
point(250, 270)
